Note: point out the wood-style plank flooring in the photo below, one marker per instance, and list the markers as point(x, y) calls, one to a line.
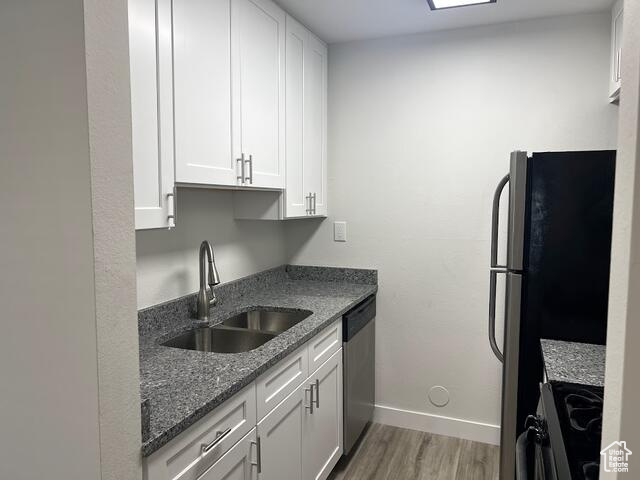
point(390, 453)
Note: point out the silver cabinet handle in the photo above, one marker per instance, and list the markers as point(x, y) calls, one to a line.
point(258, 462)
point(314, 203)
point(495, 268)
point(310, 204)
point(171, 209)
point(241, 176)
point(219, 437)
point(310, 406)
point(317, 393)
point(250, 177)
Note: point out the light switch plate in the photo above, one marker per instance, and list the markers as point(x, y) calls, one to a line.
point(339, 231)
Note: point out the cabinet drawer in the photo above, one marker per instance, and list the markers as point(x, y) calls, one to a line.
point(325, 344)
point(184, 457)
point(275, 385)
point(238, 463)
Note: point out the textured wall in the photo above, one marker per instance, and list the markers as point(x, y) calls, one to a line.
point(49, 394)
point(167, 260)
point(109, 107)
point(622, 382)
point(420, 130)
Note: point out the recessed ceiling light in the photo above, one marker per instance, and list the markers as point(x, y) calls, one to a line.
point(442, 4)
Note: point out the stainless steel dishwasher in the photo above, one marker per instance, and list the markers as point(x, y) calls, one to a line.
point(358, 358)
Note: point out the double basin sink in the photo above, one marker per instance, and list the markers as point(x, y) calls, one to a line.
point(241, 333)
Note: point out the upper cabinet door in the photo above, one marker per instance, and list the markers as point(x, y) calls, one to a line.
point(315, 124)
point(306, 107)
point(617, 15)
point(258, 90)
point(297, 198)
point(151, 112)
point(202, 76)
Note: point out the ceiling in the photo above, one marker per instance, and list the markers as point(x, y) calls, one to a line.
point(345, 20)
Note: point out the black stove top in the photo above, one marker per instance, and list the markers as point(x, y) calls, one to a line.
point(579, 409)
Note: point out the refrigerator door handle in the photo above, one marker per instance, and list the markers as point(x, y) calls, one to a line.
point(495, 268)
point(493, 280)
point(495, 220)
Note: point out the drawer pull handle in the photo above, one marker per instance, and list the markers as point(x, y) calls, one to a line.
point(241, 161)
point(317, 393)
point(258, 462)
point(219, 436)
point(310, 406)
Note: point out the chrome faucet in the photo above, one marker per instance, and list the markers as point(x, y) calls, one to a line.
point(208, 275)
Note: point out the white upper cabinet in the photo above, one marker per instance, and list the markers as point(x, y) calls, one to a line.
point(202, 76)
point(617, 15)
point(297, 199)
point(315, 130)
point(151, 112)
point(258, 91)
point(306, 123)
point(227, 93)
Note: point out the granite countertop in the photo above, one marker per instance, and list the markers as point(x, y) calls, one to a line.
point(179, 387)
point(581, 363)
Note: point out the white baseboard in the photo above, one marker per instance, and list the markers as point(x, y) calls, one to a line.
point(426, 422)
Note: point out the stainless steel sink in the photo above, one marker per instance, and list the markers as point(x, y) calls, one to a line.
point(241, 333)
point(264, 320)
point(220, 340)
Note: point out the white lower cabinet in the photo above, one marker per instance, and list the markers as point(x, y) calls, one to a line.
point(302, 437)
point(323, 428)
point(280, 435)
point(285, 425)
point(239, 463)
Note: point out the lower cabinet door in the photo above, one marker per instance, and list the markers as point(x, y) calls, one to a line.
point(323, 426)
point(239, 463)
point(280, 439)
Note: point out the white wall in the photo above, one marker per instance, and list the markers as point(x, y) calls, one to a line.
point(622, 382)
point(167, 260)
point(70, 401)
point(420, 130)
point(109, 120)
point(48, 366)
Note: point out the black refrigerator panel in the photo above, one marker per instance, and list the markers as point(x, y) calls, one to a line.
point(567, 253)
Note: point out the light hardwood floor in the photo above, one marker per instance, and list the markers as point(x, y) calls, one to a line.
point(389, 453)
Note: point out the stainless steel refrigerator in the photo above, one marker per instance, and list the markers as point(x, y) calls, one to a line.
point(556, 270)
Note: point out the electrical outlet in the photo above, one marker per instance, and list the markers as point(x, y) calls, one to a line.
point(339, 231)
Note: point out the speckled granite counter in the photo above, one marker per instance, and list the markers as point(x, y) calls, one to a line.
point(182, 386)
point(581, 363)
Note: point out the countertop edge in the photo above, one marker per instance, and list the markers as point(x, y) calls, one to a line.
point(573, 362)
